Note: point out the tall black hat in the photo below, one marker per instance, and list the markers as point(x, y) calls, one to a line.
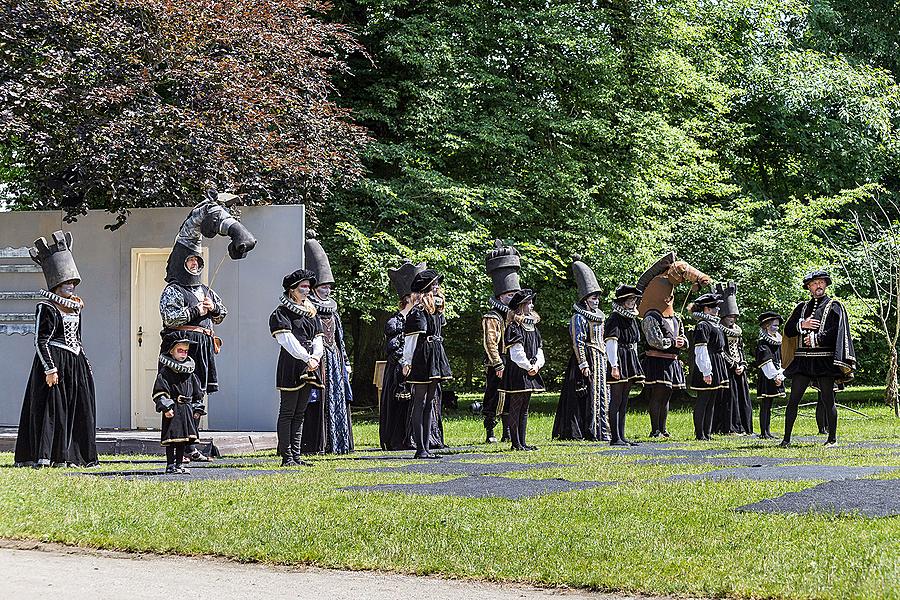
point(55, 258)
point(402, 277)
point(624, 292)
point(707, 301)
point(174, 337)
point(584, 279)
point(728, 291)
point(520, 298)
point(292, 279)
point(423, 280)
point(817, 274)
point(316, 259)
point(769, 316)
point(503, 266)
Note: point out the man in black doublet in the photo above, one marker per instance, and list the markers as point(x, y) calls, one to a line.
point(824, 355)
point(709, 377)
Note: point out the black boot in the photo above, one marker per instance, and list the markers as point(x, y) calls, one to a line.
point(490, 438)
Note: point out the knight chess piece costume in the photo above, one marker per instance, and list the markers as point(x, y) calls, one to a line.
point(57, 426)
point(583, 409)
point(770, 380)
point(177, 389)
point(622, 335)
point(664, 334)
point(525, 359)
point(327, 427)
point(424, 358)
point(502, 264)
point(737, 409)
point(393, 417)
point(298, 330)
point(709, 377)
point(186, 304)
point(823, 356)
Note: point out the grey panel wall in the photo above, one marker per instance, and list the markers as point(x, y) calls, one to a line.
point(247, 399)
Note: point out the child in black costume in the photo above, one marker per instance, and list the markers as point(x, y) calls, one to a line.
point(179, 397)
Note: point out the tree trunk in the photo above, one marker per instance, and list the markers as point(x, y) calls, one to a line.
point(368, 347)
point(892, 391)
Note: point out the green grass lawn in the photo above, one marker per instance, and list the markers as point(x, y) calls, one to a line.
point(642, 535)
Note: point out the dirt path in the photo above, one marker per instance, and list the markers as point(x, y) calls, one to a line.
point(37, 570)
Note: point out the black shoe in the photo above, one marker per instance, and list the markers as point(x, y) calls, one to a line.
point(655, 434)
point(288, 461)
point(517, 448)
point(171, 469)
point(430, 454)
point(630, 443)
point(490, 438)
point(618, 443)
point(665, 434)
point(530, 448)
point(784, 443)
point(831, 443)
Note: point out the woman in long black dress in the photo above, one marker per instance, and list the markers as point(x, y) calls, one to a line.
point(584, 400)
point(393, 417)
point(521, 378)
point(57, 426)
point(709, 376)
point(770, 384)
point(425, 363)
point(623, 332)
point(178, 395)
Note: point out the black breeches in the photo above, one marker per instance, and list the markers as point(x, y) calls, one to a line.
point(290, 421)
point(704, 408)
point(618, 407)
point(174, 453)
point(423, 399)
point(491, 398)
point(659, 407)
point(799, 383)
point(518, 417)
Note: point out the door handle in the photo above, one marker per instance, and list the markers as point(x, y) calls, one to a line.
point(140, 335)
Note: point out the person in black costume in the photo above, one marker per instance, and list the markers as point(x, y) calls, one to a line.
point(709, 377)
point(393, 417)
point(298, 330)
point(770, 384)
point(525, 359)
point(502, 264)
point(824, 355)
point(57, 426)
point(623, 333)
point(425, 364)
point(179, 397)
point(736, 408)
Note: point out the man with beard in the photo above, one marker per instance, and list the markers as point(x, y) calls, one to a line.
point(824, 355)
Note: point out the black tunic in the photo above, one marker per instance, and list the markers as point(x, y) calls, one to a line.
point(291, 374)
point(177, 388)
point(515, 378)
point(57, 425)
point(429, 361)
point(818, 361)
point(179, 306)
point(768, 350)
point(661, 364)
point(710, 335)
point(627, 333)
point(741, 408)
point(393, 420)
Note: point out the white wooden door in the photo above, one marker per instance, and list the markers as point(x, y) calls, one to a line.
point(148, 278)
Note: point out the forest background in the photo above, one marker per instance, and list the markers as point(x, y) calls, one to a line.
point(748, 136)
